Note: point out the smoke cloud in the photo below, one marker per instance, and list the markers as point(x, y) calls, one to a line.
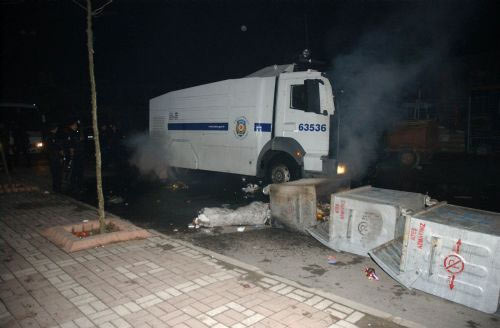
point(385, 66)
point(149, 156)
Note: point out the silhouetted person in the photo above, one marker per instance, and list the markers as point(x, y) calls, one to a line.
point(75, 156)
point(55, 150)
point(5, 141)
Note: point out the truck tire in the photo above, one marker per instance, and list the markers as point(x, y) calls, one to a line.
point(282, 170)
point(280, 173)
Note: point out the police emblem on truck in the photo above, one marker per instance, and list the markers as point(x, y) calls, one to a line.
point(240, 129)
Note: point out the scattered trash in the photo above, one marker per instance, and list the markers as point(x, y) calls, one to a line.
point(191, 226)
point(115, 200)
point(250, 188)
point(332, 259)
point(84, 233)
point(254, 214)
point(322, 211)
point(177, 185)
point(240, 229)
point(46, 192)
point(370, 273)
point(175, 230)
point(266, 189)
point(85, 221)
point(430, 202)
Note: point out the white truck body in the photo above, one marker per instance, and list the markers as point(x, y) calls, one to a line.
point(242, 126)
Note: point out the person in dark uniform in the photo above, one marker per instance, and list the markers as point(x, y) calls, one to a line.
point(54, 142)
point(76, 154)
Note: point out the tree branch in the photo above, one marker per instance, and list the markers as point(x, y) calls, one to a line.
point(99, 10)
point(79, 5)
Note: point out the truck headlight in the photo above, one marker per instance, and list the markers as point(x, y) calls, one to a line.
point(341, 168)
point(39, 144)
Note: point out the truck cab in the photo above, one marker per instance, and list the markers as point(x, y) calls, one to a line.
point(304, 106)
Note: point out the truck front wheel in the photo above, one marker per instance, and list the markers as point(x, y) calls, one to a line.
point(280, 173)
point(282, 170)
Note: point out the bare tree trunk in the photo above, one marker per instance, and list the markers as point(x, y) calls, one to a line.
point(93, 93)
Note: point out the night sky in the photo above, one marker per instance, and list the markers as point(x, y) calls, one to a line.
point(146, 48)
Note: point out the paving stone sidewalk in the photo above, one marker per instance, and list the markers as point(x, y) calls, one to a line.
point(156, 282)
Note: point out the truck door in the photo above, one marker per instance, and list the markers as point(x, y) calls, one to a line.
point(305, 111)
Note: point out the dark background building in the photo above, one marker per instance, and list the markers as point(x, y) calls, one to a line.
point(439, 49)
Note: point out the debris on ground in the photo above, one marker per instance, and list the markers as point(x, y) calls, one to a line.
point(370, 274)
point(240, 229)
point(177, 185)
point(115, 199)
point(250, 188)
point(108, 228)
point(266, 190)
point(257, 213)
point(322, 211)
point(332, 259)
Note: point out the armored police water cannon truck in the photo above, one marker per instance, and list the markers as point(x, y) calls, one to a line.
point(274, 124)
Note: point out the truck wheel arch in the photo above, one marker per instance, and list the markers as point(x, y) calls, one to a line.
point(276, 148)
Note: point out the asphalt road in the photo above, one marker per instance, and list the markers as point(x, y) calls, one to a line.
point(466, 181)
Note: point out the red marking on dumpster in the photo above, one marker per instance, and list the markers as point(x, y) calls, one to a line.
point(456, 248)
point(421, 230)
point(342, 209)
point(454, 264)
point(452, 281)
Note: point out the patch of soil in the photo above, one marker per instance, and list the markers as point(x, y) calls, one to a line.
point(108, 228)
point(71, 237)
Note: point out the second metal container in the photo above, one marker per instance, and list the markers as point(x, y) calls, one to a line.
point(366, 217)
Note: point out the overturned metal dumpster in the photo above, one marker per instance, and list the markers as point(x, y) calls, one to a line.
point(294, 204)
point(366, 217)
point(448, 251)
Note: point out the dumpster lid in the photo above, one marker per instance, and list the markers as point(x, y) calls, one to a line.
point(389, 256)
point(462, 217)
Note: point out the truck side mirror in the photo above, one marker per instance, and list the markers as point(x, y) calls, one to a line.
point(312, 91)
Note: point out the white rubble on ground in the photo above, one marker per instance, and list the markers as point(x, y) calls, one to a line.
point(266, 189)
point(254, 214)
point(250, 188)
